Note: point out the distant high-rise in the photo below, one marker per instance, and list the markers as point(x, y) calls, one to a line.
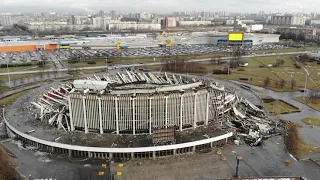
point(101, 13)
point(288, 20)
point(72, 20)
point(113, 15)
point(6, 20)
point(102, 24)
point(170, 22)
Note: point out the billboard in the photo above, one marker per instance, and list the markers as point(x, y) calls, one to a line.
point(235, 36)
point(64, 47)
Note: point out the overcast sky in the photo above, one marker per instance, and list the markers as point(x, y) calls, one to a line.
point(159, 6)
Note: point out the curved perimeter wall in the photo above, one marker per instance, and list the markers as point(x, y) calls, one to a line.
point(124, 114)
point(118, 153)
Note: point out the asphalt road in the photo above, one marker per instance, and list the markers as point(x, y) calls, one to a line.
point(269, 160)
point(35, 166)
point(145, 64)
point(266, 160)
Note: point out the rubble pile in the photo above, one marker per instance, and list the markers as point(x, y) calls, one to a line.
point(251, 124)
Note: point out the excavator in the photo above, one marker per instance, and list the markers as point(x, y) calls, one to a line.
point(120, 46)
point(168, 41)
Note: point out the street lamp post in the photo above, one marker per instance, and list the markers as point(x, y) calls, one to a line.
point(305, 84)
point(8, 73)
point(106, 65)
point(305, 88)
point(239, 158)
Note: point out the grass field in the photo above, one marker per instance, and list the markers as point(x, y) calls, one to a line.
point(26, 68)
point(287, 71)
point(305, 148)
point(152, 68)
point(256, 75)
point(129, 60)
point(92, 71)
point(13, 69)
point(308, 48)
point(311, 104)
point(279, 107)
point(5, 78)
point(312, 121)
point(12, 98)
point(4, 89)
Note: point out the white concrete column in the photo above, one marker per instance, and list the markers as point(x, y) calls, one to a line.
point(100, 115)
point(133, 116)
point(195, 111)
point(150, 115)
point(181, 112)
point(41, 113)
point(117, 114)
point(207, 108)
point(85, 114)
point(70, 114)
point(166, 112)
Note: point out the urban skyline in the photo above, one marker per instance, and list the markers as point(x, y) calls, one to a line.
point(167, 6)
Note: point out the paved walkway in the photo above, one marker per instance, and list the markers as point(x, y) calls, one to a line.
point(9, 93)
point(44, 77)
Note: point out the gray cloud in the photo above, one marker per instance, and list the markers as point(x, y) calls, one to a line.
point(159, 5)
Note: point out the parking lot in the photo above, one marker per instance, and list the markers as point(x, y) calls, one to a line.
point(82, 54)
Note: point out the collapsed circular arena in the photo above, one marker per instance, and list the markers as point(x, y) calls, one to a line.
point(133, 114)
point(134, 103)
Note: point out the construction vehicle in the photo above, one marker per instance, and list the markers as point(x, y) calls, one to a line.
point(168, 41)
point(119, 45)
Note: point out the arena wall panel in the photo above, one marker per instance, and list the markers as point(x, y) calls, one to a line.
point(141, 113)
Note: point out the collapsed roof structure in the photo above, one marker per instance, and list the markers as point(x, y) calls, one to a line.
point(138, 102)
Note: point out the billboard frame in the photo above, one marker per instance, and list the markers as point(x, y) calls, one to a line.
point(236, 32)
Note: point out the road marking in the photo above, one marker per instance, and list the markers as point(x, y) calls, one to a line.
point(119, 173)
point(101, 173)
point(120, 165)
point(104, 165)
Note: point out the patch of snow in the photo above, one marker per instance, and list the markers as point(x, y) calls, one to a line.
point(44, 159)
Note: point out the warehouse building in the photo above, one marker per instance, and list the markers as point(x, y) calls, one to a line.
point(222, 38)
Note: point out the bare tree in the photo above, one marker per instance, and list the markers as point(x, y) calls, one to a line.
point(7, 170)
point(282, 83)
point(276, 83)
point(267, 81)
point(314, 95)
point(292, 138)
point(292, 83)
point(279, 62)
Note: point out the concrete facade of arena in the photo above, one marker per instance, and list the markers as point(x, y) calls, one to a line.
point(121, 113)
point(117, 153)
point(16, 44)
